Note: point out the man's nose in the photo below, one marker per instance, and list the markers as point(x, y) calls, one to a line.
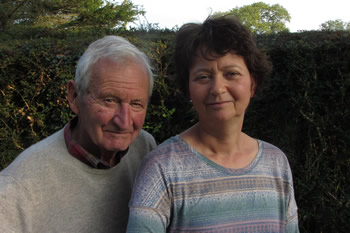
point(122, 116)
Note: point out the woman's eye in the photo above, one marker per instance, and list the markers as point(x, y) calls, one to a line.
point(231, 74)
point(202, 77)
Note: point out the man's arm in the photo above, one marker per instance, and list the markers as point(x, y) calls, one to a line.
point(15, 207)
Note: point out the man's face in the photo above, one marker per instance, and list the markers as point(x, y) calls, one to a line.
point(112, 111)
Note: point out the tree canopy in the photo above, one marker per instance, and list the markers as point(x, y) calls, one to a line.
point(335, 25)
point(52, 13)
point(261, 17)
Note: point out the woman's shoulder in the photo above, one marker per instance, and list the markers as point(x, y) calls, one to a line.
point(170, 154)
point(272, 156)
point(165, 149)
point(172, 145)
point(268, 147)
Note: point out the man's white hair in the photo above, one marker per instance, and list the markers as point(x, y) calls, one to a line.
point(115, 48)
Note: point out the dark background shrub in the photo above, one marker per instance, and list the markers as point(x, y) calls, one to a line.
point(303, 109)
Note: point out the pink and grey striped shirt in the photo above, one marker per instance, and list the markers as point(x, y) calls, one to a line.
point(179, 190)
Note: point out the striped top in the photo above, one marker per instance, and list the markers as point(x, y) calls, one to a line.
point(180, 190)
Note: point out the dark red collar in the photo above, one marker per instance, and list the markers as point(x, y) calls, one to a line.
point(80, 153)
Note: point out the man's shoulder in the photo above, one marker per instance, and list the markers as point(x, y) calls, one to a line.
point(50, 144)
point(146, 134)
point(37, 153)
point(145, 137)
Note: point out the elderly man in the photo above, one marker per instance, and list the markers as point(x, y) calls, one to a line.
point(80, 178)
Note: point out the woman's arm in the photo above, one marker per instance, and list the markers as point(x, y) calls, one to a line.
point(150, 203)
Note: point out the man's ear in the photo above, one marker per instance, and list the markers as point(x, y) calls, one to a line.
point(72, 95)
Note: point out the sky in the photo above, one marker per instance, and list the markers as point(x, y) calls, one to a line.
point(305, 14)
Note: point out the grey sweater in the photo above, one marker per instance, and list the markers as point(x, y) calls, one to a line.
point(46, 189)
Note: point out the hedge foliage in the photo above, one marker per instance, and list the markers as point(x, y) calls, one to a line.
point(303, 109)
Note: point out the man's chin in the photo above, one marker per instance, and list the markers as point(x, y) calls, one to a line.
point(118, 142)
point(116, 147)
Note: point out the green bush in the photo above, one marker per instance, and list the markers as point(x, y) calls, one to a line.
point(303, 109)
point(32, 83)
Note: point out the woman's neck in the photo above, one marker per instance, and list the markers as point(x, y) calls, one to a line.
point(227, 146)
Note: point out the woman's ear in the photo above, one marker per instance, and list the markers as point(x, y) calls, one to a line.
point(252, 88)
point(72, 95)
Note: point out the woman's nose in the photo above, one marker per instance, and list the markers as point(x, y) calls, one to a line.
point(218, 86)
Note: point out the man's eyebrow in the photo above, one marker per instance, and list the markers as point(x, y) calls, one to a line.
point(138, 100)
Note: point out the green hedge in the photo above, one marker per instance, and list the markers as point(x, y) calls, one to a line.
point(303, 109)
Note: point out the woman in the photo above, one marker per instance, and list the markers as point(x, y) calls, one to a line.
point(213, 177)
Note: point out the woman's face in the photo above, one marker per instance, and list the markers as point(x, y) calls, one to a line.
point(220, 89)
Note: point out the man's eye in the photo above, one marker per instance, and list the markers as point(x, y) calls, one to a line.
point(137, 105)
point(110, 101)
